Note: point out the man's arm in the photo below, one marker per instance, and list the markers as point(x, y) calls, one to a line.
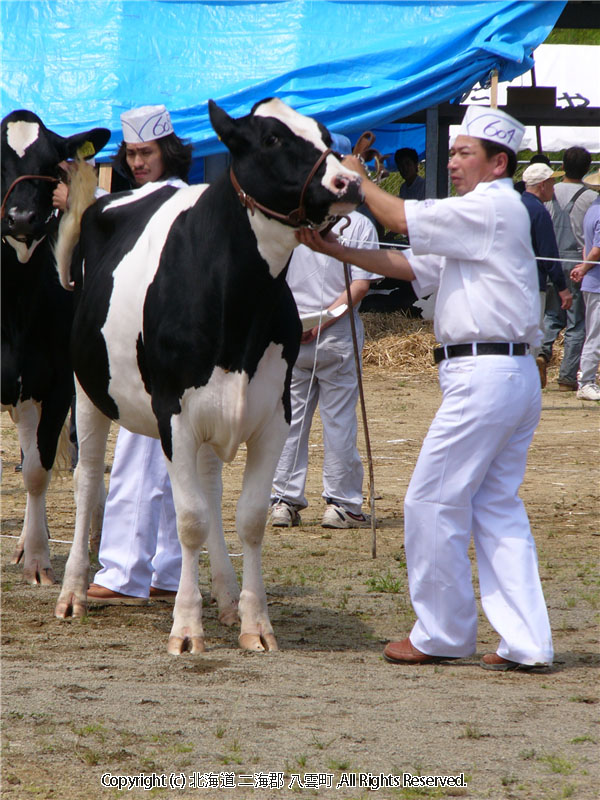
point(388, 209)
point(358, 289)
point(390, 263)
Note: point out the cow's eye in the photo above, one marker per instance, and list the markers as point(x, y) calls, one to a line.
point(271, 140)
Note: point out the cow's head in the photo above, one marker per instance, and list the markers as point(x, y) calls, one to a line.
point(274, 149)
point(29, 148)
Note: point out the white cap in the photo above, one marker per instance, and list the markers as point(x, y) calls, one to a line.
point(493, 125)
point(146, 124)
point(538, 173)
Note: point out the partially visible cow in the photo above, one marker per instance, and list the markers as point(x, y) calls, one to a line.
point(37, 379)
point(186, 330)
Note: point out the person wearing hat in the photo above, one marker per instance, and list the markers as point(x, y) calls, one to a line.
point(139, 552)
point(567, 208)
point(325, 374)
point(539, 189)
point(475, 250)
point(589, 275)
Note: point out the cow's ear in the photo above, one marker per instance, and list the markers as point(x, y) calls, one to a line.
point(86, 144)
point(230, 131)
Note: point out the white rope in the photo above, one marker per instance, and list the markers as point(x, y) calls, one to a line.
point(400, 246)
point(63, 541)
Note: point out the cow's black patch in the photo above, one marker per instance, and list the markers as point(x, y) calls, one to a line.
point(211, 305)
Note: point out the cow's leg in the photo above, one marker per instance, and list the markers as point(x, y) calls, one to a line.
point(33, 542)
point(264, 449)
point(92, 431)
point(224, 583)
point(193, 520)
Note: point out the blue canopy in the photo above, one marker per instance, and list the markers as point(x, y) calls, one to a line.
point(355, 65)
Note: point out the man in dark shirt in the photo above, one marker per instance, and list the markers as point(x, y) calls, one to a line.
point(539, 188)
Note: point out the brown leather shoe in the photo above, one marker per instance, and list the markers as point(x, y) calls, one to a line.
point(107, 597)
point(162, 595)
point(542, 366)
point(567, 387)
point(495, 662)
point(404, 652)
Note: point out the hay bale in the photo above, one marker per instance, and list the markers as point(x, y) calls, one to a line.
point(396, 341)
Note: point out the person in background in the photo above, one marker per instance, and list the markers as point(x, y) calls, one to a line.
point(589, 275)
point(139, 552)
point(567, 208)
point(475, 249)
point(407, 161)
point(317, 282)
point(539, 189)
point(538, 158)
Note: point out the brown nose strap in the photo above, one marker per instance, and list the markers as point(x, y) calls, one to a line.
point(24, 178)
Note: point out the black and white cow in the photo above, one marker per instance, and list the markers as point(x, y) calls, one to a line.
point(37, 379)
point(186, 330)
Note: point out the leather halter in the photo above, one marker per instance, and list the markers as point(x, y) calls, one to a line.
point(296, 217)
point(23, 178)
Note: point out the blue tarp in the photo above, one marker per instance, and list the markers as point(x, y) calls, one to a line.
point(354, 65)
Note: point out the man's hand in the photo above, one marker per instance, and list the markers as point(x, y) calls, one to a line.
point(579, 271)
point(327, 244)
point(354, 163)
point(60, 196)
point(566, 299)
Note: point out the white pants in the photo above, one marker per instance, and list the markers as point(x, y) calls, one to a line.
point(465, 484)
point(590, 354)
point(335, 389)
point(139, 545)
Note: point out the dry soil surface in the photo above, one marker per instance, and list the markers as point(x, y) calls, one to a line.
point(101, 696)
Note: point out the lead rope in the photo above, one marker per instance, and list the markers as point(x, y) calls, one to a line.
point(363, 407)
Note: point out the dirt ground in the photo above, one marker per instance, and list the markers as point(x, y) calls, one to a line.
point(101, 696)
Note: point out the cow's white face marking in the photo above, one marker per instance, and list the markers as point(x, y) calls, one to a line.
point(21, 135)
point(23, 250)
point(308, 129)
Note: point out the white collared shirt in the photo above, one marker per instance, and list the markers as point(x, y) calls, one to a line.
point(476, 252)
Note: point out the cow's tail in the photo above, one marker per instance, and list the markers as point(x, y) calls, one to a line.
point(65, 452)
point(81, 195)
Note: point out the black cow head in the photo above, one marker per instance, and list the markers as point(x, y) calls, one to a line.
point(29, 148)
point(274, 149)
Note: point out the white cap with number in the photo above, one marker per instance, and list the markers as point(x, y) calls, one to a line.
point(146, 124)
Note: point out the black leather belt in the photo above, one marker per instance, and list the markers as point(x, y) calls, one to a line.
point(480, 349)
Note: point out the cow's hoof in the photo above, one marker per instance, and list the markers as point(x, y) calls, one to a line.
point(36, 576)
point(180, 644)
point(258, 643)
point(70, 607)
point(229, 616)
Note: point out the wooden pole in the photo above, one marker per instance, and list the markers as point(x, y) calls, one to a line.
point(494, 89)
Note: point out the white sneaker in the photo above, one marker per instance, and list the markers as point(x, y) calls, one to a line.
point(337, 517)
point(591, 391)
point(284, 515)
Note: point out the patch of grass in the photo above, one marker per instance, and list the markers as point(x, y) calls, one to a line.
point(473, 732)
point(384, 583)
point(338, 766)
point(578, 698)
point(319, 744)
point(581, 739)
point(557, 764)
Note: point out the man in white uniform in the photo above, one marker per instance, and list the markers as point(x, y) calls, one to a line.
point(475, 250)
point(317, 282)
point(139, 549)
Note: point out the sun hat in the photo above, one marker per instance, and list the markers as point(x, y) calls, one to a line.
point(592, 180)
point(145, 124)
